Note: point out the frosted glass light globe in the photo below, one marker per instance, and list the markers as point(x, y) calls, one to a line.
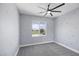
point(48, 12)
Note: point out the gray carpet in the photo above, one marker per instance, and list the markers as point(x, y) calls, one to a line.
point(48, 49)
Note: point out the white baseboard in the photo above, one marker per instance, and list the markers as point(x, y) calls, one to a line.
point(16, 52)
point(74, 50)
point(36, 43)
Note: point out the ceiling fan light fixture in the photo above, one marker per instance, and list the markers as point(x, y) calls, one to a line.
point(48, 12)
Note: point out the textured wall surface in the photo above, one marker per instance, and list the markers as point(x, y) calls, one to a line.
point(9, 29)
point(67, 29)
point(26, 30)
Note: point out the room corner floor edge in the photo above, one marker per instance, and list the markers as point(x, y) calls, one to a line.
point(74, 50)
point(35, 44)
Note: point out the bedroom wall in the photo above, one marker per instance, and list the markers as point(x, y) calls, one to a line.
point(26, 30)
point(67, 29)
point(9, 29)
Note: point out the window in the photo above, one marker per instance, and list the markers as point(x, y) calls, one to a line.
point(39, 29)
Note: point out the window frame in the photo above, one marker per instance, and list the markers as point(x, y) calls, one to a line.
point(39, 22)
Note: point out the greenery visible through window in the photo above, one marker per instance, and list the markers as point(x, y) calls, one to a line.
point(38, 29)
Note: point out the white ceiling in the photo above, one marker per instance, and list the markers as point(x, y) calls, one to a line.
point(33, 8)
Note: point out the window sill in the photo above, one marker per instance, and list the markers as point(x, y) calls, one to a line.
point(38, 35)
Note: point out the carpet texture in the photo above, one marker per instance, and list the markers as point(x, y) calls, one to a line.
point(48, 49)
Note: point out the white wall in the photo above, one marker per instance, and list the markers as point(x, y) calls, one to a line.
point(9, 29)
point(67, 29)
point(26, 30)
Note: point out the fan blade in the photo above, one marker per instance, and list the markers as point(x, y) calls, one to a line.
point(51, 14)
point(45, 14)
point(58, 6)
point(55, 11)
point(42, 8)
point(48, 6)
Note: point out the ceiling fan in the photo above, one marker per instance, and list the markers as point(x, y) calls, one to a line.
point(49, 10)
